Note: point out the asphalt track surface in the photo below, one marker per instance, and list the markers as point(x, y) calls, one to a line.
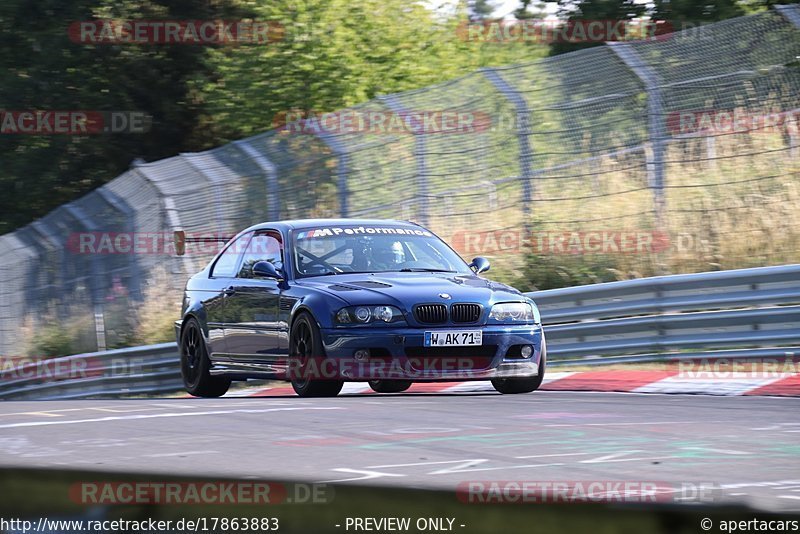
point(748, 448)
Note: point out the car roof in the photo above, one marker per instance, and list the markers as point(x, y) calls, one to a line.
point(311, 223)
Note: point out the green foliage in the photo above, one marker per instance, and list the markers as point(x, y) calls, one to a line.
point(42, 69)
point(338, 53)
point(62, 336)
point(551, 272)
point(335, 53)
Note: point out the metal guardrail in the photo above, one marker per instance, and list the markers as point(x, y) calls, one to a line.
point(744, 313)
point(748, 311)
point(146, 370)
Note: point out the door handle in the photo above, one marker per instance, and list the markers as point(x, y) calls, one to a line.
point(229, 291)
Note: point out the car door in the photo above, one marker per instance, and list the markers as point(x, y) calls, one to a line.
point(220, 280)
point(252, 333)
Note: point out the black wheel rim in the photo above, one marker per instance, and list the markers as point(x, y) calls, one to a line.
point(192, 355)
point(302, 344)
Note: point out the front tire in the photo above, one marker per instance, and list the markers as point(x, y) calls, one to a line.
point(305, 342)
point(389, 386)
point(195, 364)
point(512, 386)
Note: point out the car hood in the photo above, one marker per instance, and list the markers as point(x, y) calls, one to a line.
point(406, 289)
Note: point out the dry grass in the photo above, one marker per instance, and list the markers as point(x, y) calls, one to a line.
point(160, 308)
point(732, 212)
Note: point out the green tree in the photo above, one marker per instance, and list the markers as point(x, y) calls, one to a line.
point(480, 9)
point(42, 69)
point(337, 53)
point(684, 14)
point(591, 10)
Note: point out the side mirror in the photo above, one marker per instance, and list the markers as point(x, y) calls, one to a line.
point(479, 265)
point(264, 269)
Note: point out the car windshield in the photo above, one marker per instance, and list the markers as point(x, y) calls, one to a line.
point(372, 249)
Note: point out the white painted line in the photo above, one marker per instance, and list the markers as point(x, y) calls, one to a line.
point(504, 467)
point(709, 449)
point(368, 475)
point(117, 410)
point(351, 388)
point(553, 455)
point(424, 463)
point(634, 423)
point(161, 415)
point(184, 453)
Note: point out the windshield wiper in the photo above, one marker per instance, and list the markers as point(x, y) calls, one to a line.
point(424, 270)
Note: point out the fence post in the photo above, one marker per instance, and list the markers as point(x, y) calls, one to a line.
point(655, 123)
point(523, 131)
point(270, 173)
point(215, 188)
point(791, 12)
point(122, 206)
point(96, 278)
point(342, 169)
point(169, 212)
point(423, 195)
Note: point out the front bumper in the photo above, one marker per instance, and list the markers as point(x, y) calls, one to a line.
point(399, 353)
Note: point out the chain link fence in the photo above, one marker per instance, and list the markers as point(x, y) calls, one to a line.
point(679, 154)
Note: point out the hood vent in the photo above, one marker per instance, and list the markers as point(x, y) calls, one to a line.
point(342, 287)
point(369, 284)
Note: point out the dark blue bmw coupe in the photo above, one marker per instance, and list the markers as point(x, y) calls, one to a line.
point(324, 301)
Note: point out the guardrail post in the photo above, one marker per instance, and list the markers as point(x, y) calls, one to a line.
point(419, 157)
point(342, 169)
point(523, 131)
point(655, 123)
point(270, 173)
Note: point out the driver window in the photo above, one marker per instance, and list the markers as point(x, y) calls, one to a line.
point(226, 264)
point(263, 247)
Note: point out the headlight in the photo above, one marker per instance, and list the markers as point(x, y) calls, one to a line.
point(368, 314)
point(512, 312)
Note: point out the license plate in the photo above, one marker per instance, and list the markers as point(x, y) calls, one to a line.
point(453, 338)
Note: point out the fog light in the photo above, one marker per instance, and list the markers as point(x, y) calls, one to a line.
point(361, 354)
point(525, 351)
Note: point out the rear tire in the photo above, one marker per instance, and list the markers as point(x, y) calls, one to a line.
point(195, 364)
point(389, 386)
point(512, 386)
point(305, 342)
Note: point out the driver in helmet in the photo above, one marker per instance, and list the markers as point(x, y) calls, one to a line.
point(387, 258)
